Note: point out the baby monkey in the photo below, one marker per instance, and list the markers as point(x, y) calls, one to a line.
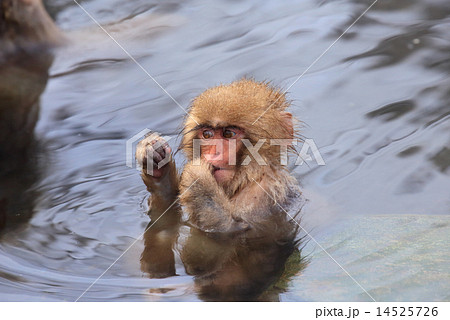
point(236, 179)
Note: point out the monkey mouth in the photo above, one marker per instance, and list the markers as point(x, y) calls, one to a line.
point(215, 169)
point(220, 172)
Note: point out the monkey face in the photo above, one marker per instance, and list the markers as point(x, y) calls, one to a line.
point(254, 108)
point(220, 147)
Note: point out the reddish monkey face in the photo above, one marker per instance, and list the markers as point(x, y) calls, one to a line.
point(220, 147)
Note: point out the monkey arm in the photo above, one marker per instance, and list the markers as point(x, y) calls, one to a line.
point(164, 190)
point(158, 258)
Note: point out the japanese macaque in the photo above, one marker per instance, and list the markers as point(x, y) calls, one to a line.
point(239, 197)
point(235, 180)
point(27, 37)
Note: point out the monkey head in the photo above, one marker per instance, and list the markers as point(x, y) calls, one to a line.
point(224, 119)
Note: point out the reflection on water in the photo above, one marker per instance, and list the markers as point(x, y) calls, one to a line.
point(376, 104)
point(225, 267)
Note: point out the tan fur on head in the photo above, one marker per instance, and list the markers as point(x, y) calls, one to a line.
point(240, 104)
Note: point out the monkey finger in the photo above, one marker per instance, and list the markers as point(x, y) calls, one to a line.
point(161, 152)
point(157, 157)
point(143, 162)
point(164, 150)
point(157, 140)
point(158, 143)
point(141, 155)
point(154, 155)
point(167, 148)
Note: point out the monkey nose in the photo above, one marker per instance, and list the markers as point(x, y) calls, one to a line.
point(214, 157)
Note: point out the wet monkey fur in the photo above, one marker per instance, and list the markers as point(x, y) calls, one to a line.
point(227, 188)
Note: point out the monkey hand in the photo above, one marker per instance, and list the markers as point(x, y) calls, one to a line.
point(199, 176)
point(205, 201)
point(153, 154)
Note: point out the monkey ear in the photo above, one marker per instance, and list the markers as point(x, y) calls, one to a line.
point(287, 122)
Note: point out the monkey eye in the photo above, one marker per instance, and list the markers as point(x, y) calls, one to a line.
point(228, 133)
point(208, 134)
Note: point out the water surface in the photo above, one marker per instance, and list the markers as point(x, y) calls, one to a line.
point(376, 105)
